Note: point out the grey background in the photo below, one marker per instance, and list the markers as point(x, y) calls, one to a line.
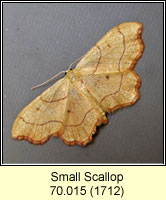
point(39, 40)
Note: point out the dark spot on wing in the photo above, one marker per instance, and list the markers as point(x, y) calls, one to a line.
point(108, 45)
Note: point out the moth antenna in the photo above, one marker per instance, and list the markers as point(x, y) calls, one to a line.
point(52, 78)
point(37, 86)
point(73, 63)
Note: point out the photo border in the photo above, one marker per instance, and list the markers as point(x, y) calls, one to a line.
point(83, 164)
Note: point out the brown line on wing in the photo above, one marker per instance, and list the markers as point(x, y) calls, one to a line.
point(32, 123)
point(98, 59)
point(118, 67)
point(124, 48)
point(113, 92)
point(51, 121)
point(52, 101)
point(81, 120)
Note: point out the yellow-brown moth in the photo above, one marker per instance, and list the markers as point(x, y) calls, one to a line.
point(102, 81)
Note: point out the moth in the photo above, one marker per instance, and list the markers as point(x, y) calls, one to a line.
point(102, 82)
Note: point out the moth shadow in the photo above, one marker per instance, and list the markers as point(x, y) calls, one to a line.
point(98, 130)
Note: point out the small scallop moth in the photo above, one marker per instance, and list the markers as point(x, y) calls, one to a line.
point(102, 81)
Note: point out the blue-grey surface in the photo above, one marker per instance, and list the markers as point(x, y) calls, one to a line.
point(41, 39)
